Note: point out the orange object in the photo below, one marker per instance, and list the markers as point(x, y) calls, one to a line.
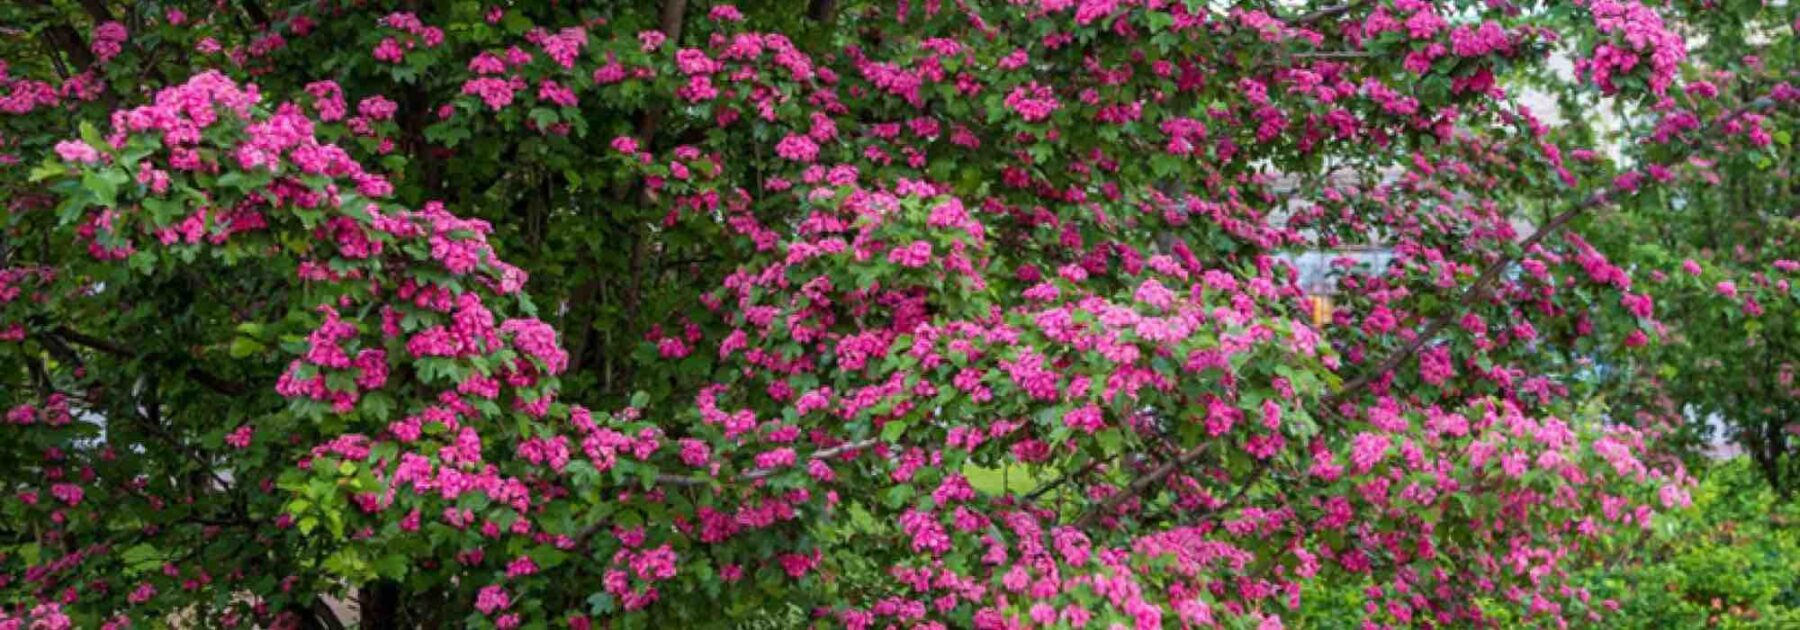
point(1321, 309)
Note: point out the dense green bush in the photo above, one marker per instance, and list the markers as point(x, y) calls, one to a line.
point(1730, 561)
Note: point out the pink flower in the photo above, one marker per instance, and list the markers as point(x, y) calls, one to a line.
point(1087, 418)
point(565, 46)
point(389, 51)
point(928, 535)
point(798, 148)
point(77, 151)
point(795, 565)
point(1435, 365)
point(108, 41)
point(142, 593)
point(726, 13)
point(555, 93)
point(1368, 449)
point(691, 61)
point(695, 452)
point(497, 93)
point(778, 458)
point(914, 255)
point(68, 493)
point(1638, 34)
point(377, 108)
point(537, 340)
point(491, 598)
point(1033, 102)
point(1091, 10)
point(521, 566)
point(651, 40)
point(487, 63)
point(656, 564)
point(1155, 294)
point(240, 437)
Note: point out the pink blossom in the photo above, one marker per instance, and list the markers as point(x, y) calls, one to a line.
point(77, 151)
point(798, 148)
point(1087, 419)
point(1367, 449)
point(1032, 101)
point(492, 598)
point(914, 255)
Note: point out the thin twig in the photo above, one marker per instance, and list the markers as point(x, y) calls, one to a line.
point(1331, 11)
point(204, 378)
point(764, 473)
point(588, 533)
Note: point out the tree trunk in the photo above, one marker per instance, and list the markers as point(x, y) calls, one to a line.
point(380, 604)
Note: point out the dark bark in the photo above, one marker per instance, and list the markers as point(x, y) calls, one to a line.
point(821, 11)
point(204, 378)
point(323, 616)
point(380, 604)
point(64, 38)
point(670, 20)
point(256, 13)
point(97, 9)
point(1775, 457)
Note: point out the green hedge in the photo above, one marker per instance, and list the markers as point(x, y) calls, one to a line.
point(1730, 561)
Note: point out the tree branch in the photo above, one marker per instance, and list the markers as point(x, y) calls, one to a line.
point(256, 12)
point(326, 616)
point(1327, 12)
point(204, 378)
point(764, 473)
point(588, 533)
point(64, 38)
point(1477, 293)
point(97, 9)
point(671, 19)
point(821, 11)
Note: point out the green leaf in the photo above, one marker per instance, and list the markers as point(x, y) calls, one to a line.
point(898, 496)
point(392, 566)
point(104, 184)
point(91, 135)
point(646, 474)
point(893, 430)
point(1111, 441)
point(243, 347)
point(49, 169)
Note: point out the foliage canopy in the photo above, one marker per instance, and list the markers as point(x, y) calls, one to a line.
point(673, 313)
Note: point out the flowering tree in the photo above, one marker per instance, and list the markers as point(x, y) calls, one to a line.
point(927, 314)
point(1719, 250)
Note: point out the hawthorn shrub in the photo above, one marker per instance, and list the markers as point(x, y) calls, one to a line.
point(683, 314)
